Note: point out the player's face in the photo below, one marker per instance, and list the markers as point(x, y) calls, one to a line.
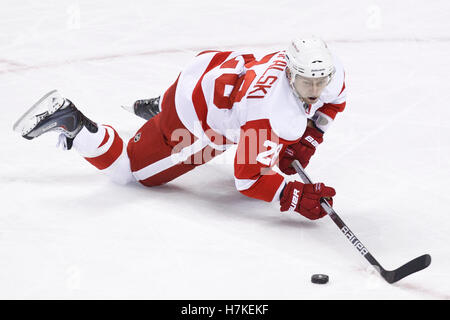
point(310, 88)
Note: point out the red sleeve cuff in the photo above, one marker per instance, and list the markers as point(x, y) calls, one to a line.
point(265, 187)
point(331, 110)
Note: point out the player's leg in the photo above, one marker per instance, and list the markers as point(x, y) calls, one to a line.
point(163, 149)
point(105, 150)
point(145, 108)
point(98, 144)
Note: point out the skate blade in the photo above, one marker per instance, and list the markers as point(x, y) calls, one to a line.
point(46, 106)
point(128, 108)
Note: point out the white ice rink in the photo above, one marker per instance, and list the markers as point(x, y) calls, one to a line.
point(66, 232)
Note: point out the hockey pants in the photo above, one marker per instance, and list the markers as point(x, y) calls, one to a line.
point(161, 150)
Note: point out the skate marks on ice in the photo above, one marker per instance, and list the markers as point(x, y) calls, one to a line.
point(208, 193)
point(8, 66)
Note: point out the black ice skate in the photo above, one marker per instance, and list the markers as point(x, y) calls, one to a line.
point(146, 109)
point(53, 113)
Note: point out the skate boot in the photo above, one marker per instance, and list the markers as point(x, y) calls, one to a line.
point(53, 113)
point(146, 109)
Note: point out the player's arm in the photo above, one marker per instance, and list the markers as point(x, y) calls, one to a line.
point(256, 154)
point(254, 177)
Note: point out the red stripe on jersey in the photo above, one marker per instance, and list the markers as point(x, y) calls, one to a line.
point(258, 151)
point(253, 137)
point(232, 63)
point(200, 105)
point(198, 98)
point(264, 59)
point(248, 58)
point(105, 139)
point(207, 51)
point(332, 109)
point(343, 87)
point(266, 187)
point(105, 160)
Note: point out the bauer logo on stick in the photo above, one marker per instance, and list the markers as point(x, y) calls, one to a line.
point(354, 240)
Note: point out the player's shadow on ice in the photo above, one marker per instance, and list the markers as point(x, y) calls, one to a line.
point(206, 191)
point(219, 197)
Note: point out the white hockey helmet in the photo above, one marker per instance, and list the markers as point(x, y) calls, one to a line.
point(309, 58)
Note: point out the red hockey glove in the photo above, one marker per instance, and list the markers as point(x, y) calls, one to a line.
point(305, 199)
point(301, 151)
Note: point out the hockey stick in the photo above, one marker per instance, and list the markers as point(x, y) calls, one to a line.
point(390, 276)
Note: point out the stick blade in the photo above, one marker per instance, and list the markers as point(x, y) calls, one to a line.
point(405, 270)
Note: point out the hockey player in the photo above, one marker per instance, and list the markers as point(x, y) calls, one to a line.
point(276, 108)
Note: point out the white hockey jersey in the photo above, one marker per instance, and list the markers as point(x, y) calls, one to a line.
point(226, 98)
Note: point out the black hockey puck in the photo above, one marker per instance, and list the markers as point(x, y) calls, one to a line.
point(319, 278)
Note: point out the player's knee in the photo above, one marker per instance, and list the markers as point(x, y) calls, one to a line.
point(152, 183)
point(120, 171)
point(167, 175)
point(122, 179)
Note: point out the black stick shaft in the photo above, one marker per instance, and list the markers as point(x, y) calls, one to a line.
point(341, 225)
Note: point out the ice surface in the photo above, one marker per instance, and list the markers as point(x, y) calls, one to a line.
point(67, 232)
